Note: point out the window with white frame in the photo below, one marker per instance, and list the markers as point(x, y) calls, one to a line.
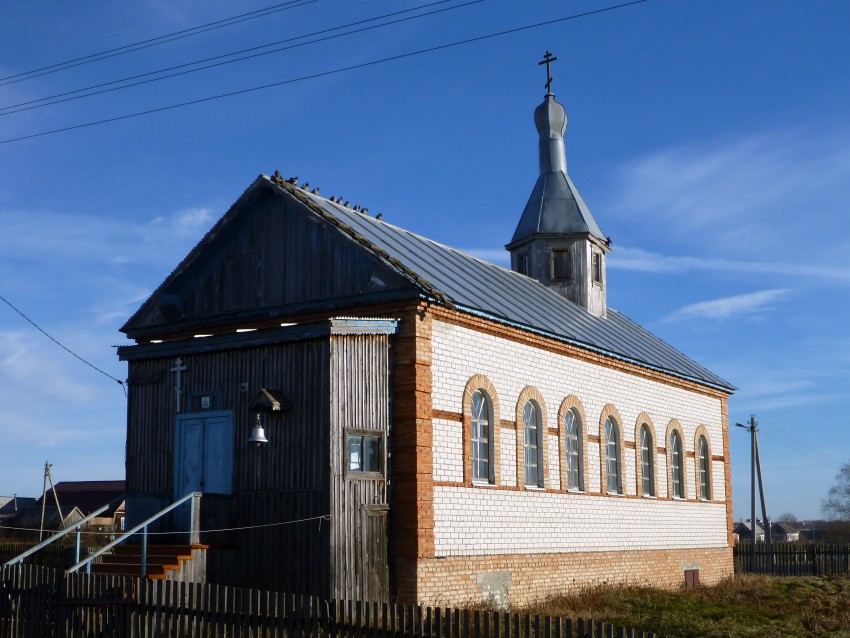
point(613, 482)
point(365, 453)
point(677, 483)
point(533, 444)
point(704, 465)
point(482, 438)
point(647, 462)
point(573, 450)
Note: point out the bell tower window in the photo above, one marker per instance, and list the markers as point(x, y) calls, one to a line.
point(523, 265)
point(561, 266)
point(596, 268)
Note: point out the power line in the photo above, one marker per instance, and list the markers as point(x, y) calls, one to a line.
point(152, 42)
point(218, 57)
point(324, 73)
point(826, 456)
point(322, 517)
point(61, 345)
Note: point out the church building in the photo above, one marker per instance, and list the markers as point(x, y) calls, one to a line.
point(372, 415)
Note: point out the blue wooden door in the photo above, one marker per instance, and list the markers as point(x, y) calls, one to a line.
point(203, 453)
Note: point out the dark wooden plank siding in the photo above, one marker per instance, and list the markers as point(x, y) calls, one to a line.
point(278, 254)
point(299, 370)
point(284, 480)
point(360, 387)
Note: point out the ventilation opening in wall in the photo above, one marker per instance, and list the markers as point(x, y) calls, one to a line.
point(691, 578)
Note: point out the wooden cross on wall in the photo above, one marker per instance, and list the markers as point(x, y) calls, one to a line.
point(178, 369)
point(548, 58)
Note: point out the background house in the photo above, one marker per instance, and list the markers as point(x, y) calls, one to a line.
point(784, 532)
point(744, 531)
point(88, 496)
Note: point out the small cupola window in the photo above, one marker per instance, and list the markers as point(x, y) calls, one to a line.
point(561, 264)
point(596, 268)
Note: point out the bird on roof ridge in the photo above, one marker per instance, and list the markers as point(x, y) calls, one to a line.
point(293, 180)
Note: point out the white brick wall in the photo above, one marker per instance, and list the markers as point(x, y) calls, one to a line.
point(553, 481)
point(516, 521)
point(448, 451)
point(485, 521)
point(507, 439)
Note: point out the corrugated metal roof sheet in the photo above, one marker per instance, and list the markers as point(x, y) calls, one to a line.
point(485, 289)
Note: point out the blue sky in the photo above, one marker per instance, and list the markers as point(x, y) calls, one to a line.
point(711, 140)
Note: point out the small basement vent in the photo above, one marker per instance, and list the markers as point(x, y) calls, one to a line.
point(691, 578)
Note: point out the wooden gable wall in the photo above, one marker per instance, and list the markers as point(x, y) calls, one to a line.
point(271, 256)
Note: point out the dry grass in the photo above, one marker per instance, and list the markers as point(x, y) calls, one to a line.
point(746, 605)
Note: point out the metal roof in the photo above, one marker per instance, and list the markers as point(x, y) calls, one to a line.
point(555, 206)
point(484, 289)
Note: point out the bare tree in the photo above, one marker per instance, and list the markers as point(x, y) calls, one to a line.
point(787, 517)
point(837, 502)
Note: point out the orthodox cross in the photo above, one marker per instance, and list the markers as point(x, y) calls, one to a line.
point(548, 58)
point(179, 368)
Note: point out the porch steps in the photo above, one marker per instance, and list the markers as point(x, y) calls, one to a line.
point(126, 560)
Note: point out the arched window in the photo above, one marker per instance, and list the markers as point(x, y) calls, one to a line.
point(532, 444)
point(647, 461)
point(482, 437)
point(677, 475)
point(704, 468)
point(612, 456)
point(573, 450)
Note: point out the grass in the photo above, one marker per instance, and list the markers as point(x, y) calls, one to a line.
point(746, 605)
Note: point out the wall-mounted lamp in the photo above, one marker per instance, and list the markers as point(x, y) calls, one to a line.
point(266, 401)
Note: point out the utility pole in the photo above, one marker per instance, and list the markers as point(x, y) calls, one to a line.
point(49, 477)
point(755, 466)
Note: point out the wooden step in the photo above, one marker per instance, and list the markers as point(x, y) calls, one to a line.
point(153, 571)
point(125, 560)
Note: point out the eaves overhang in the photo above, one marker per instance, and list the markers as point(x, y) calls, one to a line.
point(728, 388)
point(237, 340)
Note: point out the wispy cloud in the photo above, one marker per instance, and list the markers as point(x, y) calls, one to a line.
point(86, 239)
point(626, 258)
point(752, 194)
point(728, 306)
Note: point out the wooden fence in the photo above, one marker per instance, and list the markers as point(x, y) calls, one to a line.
point(793, 559)
point(53, 556)
point(42, 603)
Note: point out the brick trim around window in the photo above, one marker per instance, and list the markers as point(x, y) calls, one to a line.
point(475, 383)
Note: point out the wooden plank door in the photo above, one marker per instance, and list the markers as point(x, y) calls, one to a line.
point(203, 456)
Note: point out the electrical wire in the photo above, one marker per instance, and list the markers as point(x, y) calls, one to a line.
point(323, 517)
point(61, 345)
point(152, 42)
point(12, 108)
point(353, 67)
point(825, 457)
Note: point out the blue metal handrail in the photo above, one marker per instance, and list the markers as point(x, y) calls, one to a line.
point(76, 526)
point(144, 527)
